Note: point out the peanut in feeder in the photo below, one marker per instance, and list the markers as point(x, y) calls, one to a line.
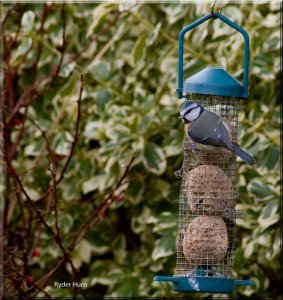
point(209, 190)
point(205, 241)
point(206, 226)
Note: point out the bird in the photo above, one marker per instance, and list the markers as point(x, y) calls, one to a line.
point(209, 131)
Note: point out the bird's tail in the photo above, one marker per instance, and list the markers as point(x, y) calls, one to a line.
point(243, 154)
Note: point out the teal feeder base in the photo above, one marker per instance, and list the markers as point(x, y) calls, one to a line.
point(202, 284)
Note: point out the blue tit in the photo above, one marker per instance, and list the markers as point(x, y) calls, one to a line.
point(209, 131)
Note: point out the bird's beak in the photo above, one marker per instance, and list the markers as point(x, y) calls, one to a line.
point(182, 118)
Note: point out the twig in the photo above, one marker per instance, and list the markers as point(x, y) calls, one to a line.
point(100, 210)
point(29, 200)
point(42, 281)
point(30, 281)
point(75, 139)
point(16, 144)
point(21, 100)
point(43, 135)
point(56, 182)
point(24, 223)
point(5, 19)
point(37, 214)
point(39, 49)
point(56, 73)
point(58, 238)
point(93, 39)
point(52, 76)
point(94, 216)
point(76, 136)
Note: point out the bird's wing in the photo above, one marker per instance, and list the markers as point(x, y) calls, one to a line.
point(208, 129)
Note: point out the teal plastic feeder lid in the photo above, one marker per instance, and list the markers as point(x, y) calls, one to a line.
point(214, 81)
point(202, 284)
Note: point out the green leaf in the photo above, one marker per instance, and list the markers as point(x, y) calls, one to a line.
point(110, 163)
point(118, 132)
point(154, 158)
point(48, 46)
point(32, 149)
point(93, 184)
point(173, 144)
point(174, 12)
point(56, 292)
point(168, 64)
point(154, 34)
point(138, 221)
point(27, 21)
point(249, 249)
point(98, 242)
point(102, 98)
point(100, 70)
point(271, 21)
point(94, 130)
point(239, 260)
point(84, 250)
point(144, 124)
point(101, 270)
point(138, 50)
point(128, 288)
point(135, 192)
point(269, 215)
point(69, 87)
point(165, 246)
point(259, 188)
point(164, 221)
point(98, 182)
point(67, 69)
point(20, 51)
point(65, 222)
point(270, 158)
point(99, 15)
point(62, 143)
point(119, 248)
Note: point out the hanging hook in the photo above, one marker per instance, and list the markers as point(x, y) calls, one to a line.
point(212, 11)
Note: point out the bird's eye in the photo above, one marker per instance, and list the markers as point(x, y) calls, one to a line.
point(188, 111)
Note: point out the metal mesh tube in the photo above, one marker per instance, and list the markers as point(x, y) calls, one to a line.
point(206, 226)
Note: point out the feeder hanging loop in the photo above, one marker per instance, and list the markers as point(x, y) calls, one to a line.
point(186, 29)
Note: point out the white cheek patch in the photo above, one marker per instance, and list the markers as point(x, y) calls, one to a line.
point(186, 109)
point(193, 115)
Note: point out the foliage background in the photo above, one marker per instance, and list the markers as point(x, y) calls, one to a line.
point(128, 56)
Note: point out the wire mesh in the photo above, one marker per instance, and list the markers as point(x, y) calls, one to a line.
point(206, 226)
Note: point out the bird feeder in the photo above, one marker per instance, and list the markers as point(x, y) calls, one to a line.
point(207, 214)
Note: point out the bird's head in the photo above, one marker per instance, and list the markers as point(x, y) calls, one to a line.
point(190, 111)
